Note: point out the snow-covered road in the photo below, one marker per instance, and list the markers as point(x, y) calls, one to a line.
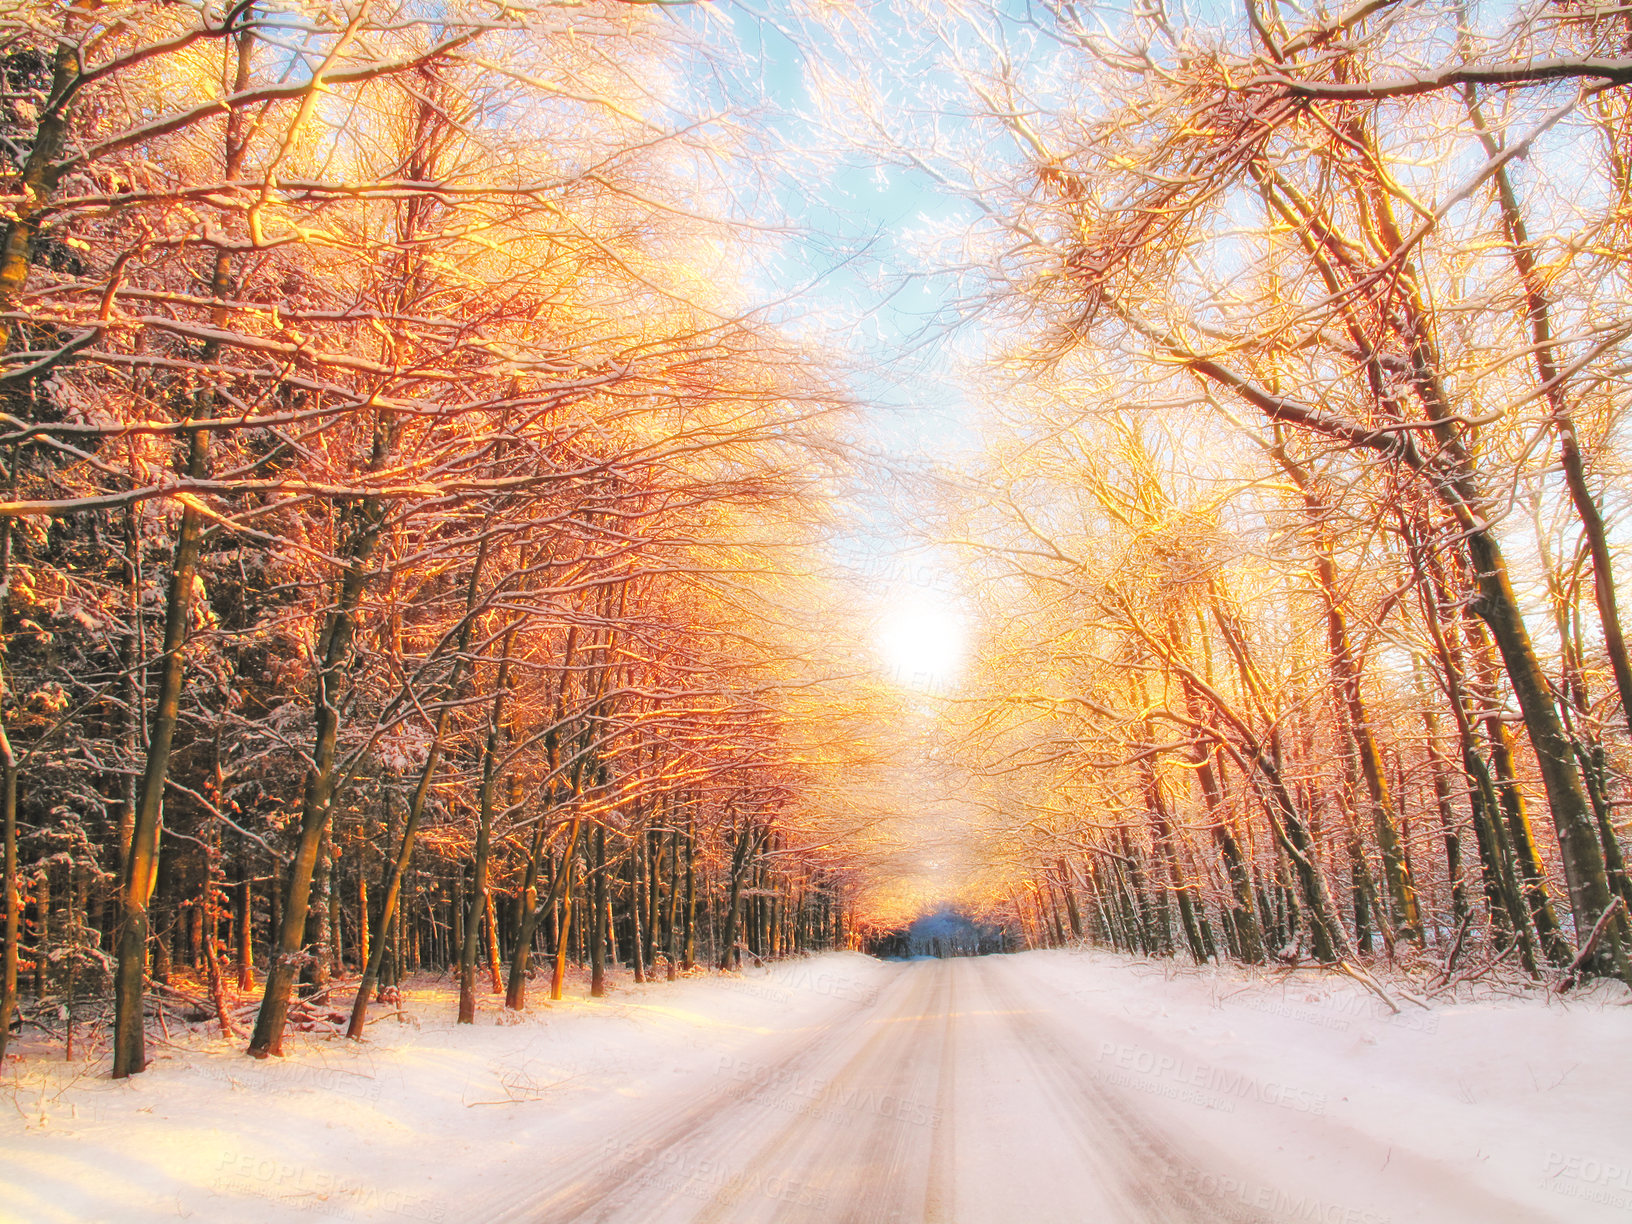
point(951, 1095)
point(1069, 1087)
point(990, 1089)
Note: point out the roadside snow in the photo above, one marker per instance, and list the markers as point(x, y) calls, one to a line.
point(406, 1126)
point(1527, 1101)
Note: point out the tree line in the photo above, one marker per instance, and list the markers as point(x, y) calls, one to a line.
point(401, 519)
point(1304, 387)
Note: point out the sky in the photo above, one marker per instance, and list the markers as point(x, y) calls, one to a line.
point(857, 285)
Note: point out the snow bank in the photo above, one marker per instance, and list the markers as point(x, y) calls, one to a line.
point(1519, 1108)
point(414, 1124)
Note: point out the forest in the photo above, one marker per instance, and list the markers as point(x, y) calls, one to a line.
point(424, 490)
point(1300, 516)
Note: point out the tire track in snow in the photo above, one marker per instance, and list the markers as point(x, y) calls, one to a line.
point(1126, 1151)
point(858, 1124)
point(940, 1205)
point(598, 1185)
point(837, 1148)
point(850, 1143)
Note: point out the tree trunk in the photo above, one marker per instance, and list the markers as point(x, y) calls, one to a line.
point(337, 939)
point(136, 891)
point(315, 810)
point(13, 907)
point(652, 853)
point(365, 952)
point(516, 988)
point(244, 926)
point(597, 931)
point(480, 902)
point(1447, 812)
point(39, 178)
point(691, 894)
point(391, 887)
point(515, 992)
point(1583, 857)
point(1543, 350)
point(471, 924)
point(671, 949)
point(1244, 914)
point(132, 646)
point(314, 973)
point(10, 900)
point(1071, 909)
point(129, 1042)
point(747, 843)
point(568, 865)
point(1349, 706)
point(1496, 860)
point(210, 923)
point(636, 946)
point(1512, 805)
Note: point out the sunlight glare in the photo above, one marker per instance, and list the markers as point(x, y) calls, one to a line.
point(920, 642)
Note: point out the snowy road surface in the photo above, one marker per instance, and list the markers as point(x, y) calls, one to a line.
point(952, 1094)
point(1069, 1087)
point(976, 1090)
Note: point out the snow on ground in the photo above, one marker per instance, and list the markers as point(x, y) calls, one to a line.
point(1524, 1101)
point(1074, 1086)
point(398, 1127)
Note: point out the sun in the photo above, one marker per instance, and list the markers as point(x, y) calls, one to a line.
point(921, 641)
